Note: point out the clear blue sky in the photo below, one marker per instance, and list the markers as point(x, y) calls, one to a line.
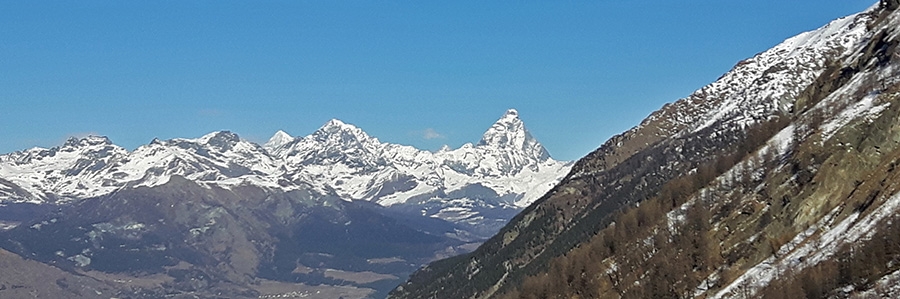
point(422, 73)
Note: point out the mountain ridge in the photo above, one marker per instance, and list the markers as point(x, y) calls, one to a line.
point(337, 158)
point(336, 211)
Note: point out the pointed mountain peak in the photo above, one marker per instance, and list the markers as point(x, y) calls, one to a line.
point(280, 138)
point(282, 135)
point(511, 113)
point(510, 119)
point(506, 131)
point(509, 133)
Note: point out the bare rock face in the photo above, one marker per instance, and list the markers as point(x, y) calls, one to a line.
point(890, 4)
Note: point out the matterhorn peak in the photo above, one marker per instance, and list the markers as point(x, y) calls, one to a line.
point(508, 130)
point(509, 134)
point(279, 139)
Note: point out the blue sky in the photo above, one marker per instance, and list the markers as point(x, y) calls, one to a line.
point(422, 73)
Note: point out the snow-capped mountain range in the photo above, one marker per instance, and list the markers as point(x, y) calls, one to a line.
point(507, 169)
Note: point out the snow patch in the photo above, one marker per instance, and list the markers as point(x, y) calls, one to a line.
point(808, 248)
point(865, 108)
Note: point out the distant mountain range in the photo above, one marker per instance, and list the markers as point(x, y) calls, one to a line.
point(506, 170)
point(219, 214)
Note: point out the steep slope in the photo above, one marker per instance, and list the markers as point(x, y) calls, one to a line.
point(720, 192)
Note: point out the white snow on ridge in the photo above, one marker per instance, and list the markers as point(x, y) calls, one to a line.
point(338, 158)
point(767, 82)
point(73, 170)
point(342, 157)
point(856, 100)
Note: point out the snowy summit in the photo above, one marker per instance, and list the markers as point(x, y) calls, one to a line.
point(507, 170)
